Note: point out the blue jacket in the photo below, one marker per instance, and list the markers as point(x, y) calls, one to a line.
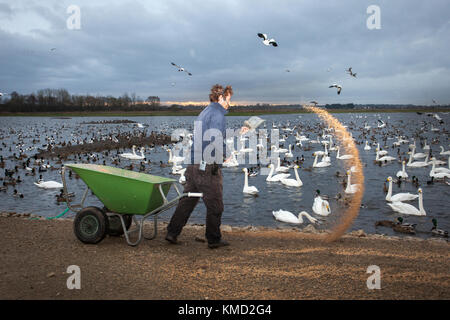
point(212, 117)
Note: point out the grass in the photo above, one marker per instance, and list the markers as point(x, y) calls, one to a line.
point(195, 113)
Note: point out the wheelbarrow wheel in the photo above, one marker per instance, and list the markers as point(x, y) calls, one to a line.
point(90, 225)
point(115, 228)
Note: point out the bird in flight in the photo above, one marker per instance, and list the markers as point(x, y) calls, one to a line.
point(181, 69)
point(266, 41)
point(339, 87)
point(434, 101)
point(287, 70)
point(52, 49)
point(350, 72)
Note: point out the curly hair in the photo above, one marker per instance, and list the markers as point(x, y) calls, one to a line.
point(216, 92)
point(228, 91)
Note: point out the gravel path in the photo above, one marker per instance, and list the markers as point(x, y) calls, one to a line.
point(261, 264)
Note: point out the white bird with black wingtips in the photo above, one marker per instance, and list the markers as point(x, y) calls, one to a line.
point(267, 41)
point(180, 69)
point(339, 87)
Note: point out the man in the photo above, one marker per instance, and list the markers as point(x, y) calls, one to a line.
point(204, 174)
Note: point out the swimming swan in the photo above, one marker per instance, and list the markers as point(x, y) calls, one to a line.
point(276, 177)
point(405, 196)
point(293, 182)
point(406, 208)
point(249, 190)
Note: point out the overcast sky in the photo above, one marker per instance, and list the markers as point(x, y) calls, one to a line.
point(127, 46)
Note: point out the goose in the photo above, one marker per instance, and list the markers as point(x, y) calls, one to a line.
point(321, 164)
point(320, 206)
point(406, 196)
point(339, 87)
point(289, 217)
point(248, 189)
point(417, 164)
point(48, 184)
point(293, 182)
point(405, 208)
point(289, 154)
point(444, 153)
point(402, 173)
point(367, 147)
point(276, 177)
point(280, 168)
point(173, 158)
point(351, 188)
point(384, 158)
point(266, 41)
point(343, 157)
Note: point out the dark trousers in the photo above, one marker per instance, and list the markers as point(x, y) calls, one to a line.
point(210, 185)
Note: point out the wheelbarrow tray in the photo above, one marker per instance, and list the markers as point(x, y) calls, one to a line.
point(123, 191)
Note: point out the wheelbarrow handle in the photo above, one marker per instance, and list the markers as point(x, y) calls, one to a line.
point(195, 194)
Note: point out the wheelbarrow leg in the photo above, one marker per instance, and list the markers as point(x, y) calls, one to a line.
point(128, 232)
point(155, 228)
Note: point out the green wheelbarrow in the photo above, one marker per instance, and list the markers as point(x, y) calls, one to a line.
point(125, 194)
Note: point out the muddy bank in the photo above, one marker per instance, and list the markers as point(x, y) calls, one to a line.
point(124, 140)
point(260, 263)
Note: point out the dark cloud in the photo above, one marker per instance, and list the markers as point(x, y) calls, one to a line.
point(127, 46)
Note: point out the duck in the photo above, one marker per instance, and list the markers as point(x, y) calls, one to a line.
point(385, 223)
point(289, 217)
point(276, 177)
point(399, 197)
point(293, 182)
point(402, 173)
point(17, 194)
point(320, 206)
point(404, 227)
point(343, 157)
point(438, 232)
point(351, 188)
point(405, 208)
point(248, 189)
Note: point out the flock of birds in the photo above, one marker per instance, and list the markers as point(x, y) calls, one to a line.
point(291, 161)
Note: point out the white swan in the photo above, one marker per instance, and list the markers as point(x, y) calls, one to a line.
point(232, 162)
point(280, 168)
point(248, 189)
point(182, 179)
point(381, 152)
point(293, 182)
point(406, 208)
point(444, 153)
point(128, 154)
point(405, 196)
point(384, 158)
point(321, 164)
point(276, 177)
point(417, 164)
point(289, 154)
point(135, 156)
point(426, 147)
point(278, 150)
point(173, 158)
point(320, 206)
point(402, 173)
point(367, 147)
point(435, 170)
point(48, 184)
point(351, 188)
point(289, 217)
point(343, 157)
point(417, 156)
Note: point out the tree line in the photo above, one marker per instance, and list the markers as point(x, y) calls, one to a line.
point(60, 100)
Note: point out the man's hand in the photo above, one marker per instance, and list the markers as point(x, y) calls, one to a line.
point(244, 130)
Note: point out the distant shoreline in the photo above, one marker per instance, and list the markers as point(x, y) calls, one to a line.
point(196, 112)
